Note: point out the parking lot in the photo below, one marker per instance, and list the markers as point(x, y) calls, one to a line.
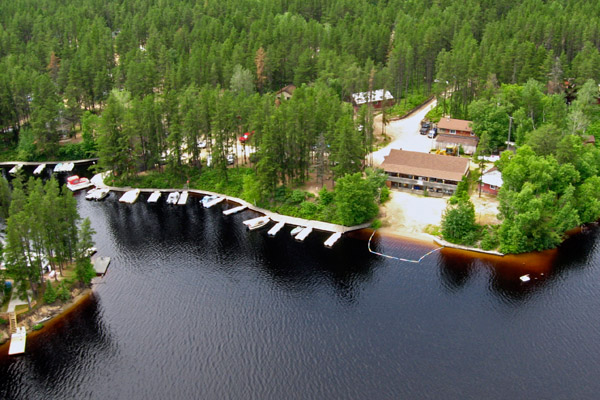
point(404, 134)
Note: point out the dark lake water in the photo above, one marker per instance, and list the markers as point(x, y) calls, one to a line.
point(194, 306)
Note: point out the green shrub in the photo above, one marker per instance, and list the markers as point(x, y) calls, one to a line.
point(63, 292)
point(50, 293)
point(384, 195)
point(37, 327)
point(3, 321)
point(308, 210)
point(376, 224)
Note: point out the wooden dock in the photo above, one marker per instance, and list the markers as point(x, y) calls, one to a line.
point(332, 239)
point(304, 233)
point(39, 169)
point(100, 264)
point(154, 196)
point(234, 210)
point(183, 198)
point(15, 169)
point(276, 228)
point(17, 341)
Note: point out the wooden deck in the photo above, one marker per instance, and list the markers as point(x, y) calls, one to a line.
point(100, 264)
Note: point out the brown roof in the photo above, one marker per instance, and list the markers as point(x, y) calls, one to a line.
point(455, 124)
point(288, 89)
point(457, 139)
point(426, 165)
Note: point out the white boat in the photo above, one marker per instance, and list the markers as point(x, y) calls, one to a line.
point(256, 223)
point(39, 169)
point(75, 183)
point(91, 194)
point(15, 169)
point(154, 196)
point(209, 201)
point(296, 230)
point(64, 167)
point(525, 278)
point(173, 198)
point(130, 197)
point(101, 193)
point(183, 198)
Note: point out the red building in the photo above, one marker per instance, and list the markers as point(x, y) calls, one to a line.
point(491, 181)
point(451, 126)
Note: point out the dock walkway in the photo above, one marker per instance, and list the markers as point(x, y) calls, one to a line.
point(317, 225)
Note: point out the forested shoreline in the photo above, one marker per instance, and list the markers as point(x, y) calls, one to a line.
point(162, 87)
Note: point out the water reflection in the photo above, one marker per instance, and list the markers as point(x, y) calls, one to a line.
point(55, 357)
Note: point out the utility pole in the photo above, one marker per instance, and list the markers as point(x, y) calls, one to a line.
point(510, 119)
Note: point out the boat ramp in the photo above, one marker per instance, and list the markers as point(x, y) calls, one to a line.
point(234, 210)
point(130, 197)
point(154, 196)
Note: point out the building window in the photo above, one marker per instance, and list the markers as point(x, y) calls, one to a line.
point(493, 187)
point(453, 131)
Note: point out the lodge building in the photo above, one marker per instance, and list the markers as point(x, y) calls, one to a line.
point(417, 172)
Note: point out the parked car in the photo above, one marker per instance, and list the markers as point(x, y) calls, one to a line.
point(425, 124)
point(432, 134)
point(202, 144)
point(246, 136)
point(423, 131)
point(230, 159)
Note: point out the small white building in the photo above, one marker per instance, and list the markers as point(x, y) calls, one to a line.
point(374, 97)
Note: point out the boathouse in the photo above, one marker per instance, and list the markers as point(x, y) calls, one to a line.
point(417, 172)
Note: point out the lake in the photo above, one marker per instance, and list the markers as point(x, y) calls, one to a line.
point(195, 306)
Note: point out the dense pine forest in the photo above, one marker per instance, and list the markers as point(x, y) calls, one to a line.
point(156, 85)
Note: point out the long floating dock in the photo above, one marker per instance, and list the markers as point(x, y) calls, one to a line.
point(276, 228)
point(304, 233)
point(101, 264)
point(332, 239)
point(17, 341)
point(234, 210)
point(183, 198)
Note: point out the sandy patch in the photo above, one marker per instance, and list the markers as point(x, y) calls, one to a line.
point(407, 214)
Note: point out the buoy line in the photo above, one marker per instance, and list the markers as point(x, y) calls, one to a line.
point(399, 258)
